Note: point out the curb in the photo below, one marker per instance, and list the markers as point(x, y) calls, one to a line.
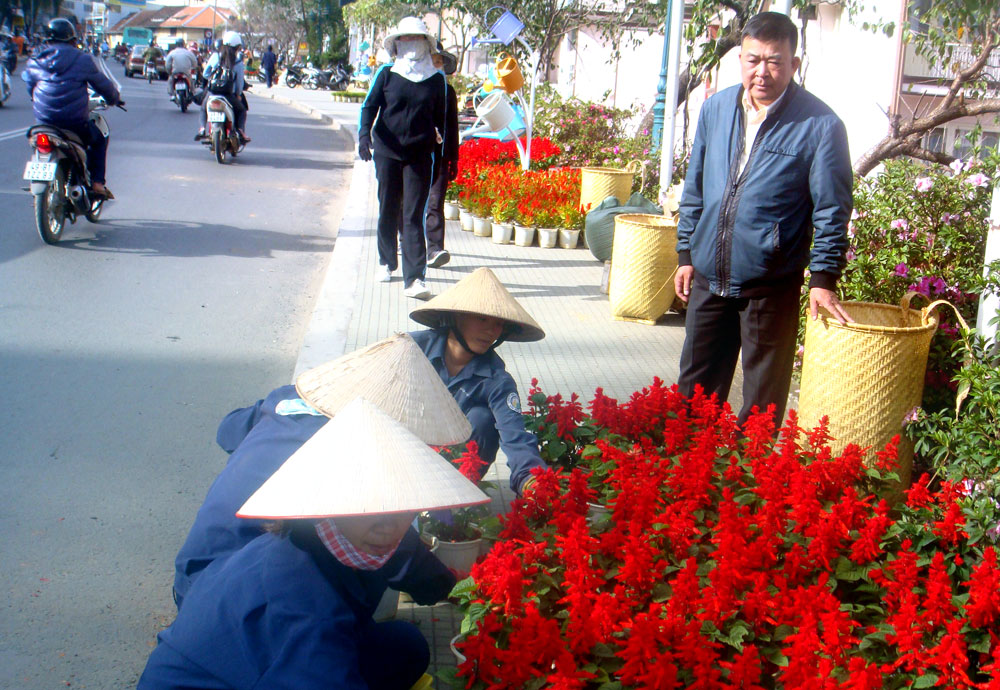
point(300, 107)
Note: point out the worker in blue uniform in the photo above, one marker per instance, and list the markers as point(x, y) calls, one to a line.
point(468, 322)
point(293, 608)
point(261, 437)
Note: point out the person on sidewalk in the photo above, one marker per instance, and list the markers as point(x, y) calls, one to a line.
point(57, 77)
point(393, 374)
point(403, 117)
point(294, 607)
point(269, 63)
point(468, 322)
point(770, 175)
point(445, 169)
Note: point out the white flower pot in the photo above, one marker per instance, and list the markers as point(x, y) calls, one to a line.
point(548, 237)
point(457, 555)
point(482, 227)
point(568, 239)
point(523, 236)
point(459, 657)
point(450, 211)
point(387, 606)
point(465, 218)
point(503, 233)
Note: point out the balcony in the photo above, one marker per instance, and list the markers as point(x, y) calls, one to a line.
point(919, 76)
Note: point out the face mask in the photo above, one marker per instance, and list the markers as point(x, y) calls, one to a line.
point(413, 50)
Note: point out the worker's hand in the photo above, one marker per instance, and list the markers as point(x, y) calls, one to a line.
point(682, 282)
point(365, 149)
point(452, 170)
point(821, 297)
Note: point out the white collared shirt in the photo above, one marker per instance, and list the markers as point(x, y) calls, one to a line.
point(754, 118)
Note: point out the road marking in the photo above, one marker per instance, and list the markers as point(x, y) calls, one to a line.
point(4, 136)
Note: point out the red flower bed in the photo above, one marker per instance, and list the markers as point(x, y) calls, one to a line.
point(728, 561)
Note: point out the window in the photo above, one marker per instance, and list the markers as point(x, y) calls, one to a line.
point(934, 140)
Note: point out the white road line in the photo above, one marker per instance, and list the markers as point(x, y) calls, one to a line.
point(13, 134)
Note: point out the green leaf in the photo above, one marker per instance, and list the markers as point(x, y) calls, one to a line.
point(928, 680)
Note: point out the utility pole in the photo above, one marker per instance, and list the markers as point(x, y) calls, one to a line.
point(676, 18)
point(989, 305)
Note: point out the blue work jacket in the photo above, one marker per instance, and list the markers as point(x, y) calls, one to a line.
point(484, 382)
point(260, 438)
point(756, 231)
point(283, 613)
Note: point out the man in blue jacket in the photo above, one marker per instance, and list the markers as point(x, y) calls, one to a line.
point(57, 78)
point(767, 193)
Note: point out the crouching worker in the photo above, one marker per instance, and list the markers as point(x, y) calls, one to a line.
point(293, 608)
point(469, 321)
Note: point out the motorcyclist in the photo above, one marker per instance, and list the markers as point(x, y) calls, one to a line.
point(180, 60)
point(229, 57)
point(8, 52)
point(153, 53)
point(57, 78)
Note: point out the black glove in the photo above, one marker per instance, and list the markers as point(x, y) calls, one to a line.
point(452, 170)
point(365, 148)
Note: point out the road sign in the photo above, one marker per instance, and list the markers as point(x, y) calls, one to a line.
point(208, 34)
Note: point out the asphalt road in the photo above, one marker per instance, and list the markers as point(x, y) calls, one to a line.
point(122, 348)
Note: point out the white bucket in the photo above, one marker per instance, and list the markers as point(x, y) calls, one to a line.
point(495, 110)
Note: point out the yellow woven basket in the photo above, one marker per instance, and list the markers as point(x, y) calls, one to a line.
point(597, 184)
point(643, 262)
point(868, 375)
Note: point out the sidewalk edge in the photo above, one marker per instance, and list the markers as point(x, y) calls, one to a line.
point(326, 336)
point(302, 108)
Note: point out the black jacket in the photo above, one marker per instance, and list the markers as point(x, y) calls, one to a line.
point(407, 115)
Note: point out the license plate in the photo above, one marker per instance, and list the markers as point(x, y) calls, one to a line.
point(37, 170)
point(215, 116)
point(182, 87)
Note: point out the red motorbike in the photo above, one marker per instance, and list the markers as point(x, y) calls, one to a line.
point(183, 93)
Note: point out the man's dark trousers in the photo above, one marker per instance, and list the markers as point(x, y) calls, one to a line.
point(403, 185)
point(434, 222)
point(716, 327)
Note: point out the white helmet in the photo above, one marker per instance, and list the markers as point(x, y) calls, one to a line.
point(231, 38)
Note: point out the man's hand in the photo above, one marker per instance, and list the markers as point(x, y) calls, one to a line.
point(821, 297)
point(365, 149)
point(682, 282)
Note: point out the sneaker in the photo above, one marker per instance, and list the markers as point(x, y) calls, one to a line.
point(200, 135)
point(439, 259)
point(417, 290)
point(384, 274)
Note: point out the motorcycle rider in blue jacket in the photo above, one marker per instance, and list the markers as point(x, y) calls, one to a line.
point(57, 78)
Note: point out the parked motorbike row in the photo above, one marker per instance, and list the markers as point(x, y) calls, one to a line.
point(336, 78)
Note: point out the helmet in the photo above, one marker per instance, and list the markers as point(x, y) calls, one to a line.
point(231, 38)
point(60, 29)
point(218, 45)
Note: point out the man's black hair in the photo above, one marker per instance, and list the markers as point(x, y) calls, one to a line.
point(771, 27)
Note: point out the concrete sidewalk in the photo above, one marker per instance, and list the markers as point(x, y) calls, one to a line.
point(583, 349)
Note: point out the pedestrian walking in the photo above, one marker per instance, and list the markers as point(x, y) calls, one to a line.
point(268, 62)
point(445, 170)
point(468, 322)
point(767, 193)
point(403, 118)
point(293, 608)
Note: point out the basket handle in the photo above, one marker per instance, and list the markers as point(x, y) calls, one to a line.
point(925, 313)
point(637, 166)
point(669, 283)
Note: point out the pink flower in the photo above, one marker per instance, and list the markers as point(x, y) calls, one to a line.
point(901, 270)
point(978, 180)
point(956, 166)
point(924, 184)
point(911, 416)
point(899, 224)
point(851, 254)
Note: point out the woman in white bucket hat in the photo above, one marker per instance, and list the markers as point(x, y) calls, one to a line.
point(293, 608)
point(402, 127)
point(468, 322)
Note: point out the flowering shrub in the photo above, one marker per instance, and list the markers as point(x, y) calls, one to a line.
point(460, 524)
point(924, 229)
point(730, 561)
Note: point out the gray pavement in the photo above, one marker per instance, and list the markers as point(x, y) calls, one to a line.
point(584, 347)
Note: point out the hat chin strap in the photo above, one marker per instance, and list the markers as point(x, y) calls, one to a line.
point(465, 346)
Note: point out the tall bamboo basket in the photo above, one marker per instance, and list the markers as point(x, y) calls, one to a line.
point(868, 375)
point(643, 263)
point(597, 184)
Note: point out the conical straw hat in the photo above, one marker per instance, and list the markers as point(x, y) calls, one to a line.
point(361, 462)
point(395, 376)
point(480, 292)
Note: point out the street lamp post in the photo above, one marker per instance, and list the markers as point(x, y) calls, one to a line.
point(661, 87)
point(676, 21)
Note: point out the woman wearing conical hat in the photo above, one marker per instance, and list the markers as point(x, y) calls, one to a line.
point(293, 608)
point(468, 322)
point(392, 374)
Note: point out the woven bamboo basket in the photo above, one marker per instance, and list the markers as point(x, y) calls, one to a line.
point(597, 184)
point(868, 375)
point(643, 263)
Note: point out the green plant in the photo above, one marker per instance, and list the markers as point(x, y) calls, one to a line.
point(460, 524)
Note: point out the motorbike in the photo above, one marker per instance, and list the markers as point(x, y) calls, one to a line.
point(341, 77)
point(57, 171)
point(222, 136)
point(150, 72)
point(5, 89)
point(294, 75)
point(183, 93)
